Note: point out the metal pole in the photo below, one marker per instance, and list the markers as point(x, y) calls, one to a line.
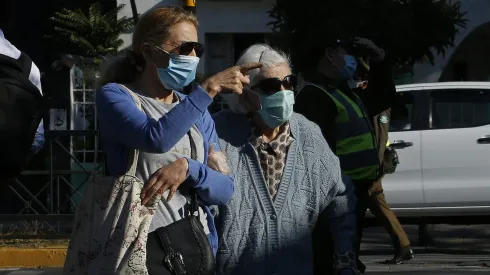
point(51, 192)
point(190, 6)
point(135, 11)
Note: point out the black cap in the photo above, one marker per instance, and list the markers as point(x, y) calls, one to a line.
point(346, 43)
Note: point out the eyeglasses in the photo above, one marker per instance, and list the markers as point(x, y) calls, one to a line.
point(186, 48)
point(273, 85)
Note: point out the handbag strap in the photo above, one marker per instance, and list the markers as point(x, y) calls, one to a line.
point(133, 155)
point(193, 193)
point(173, 259)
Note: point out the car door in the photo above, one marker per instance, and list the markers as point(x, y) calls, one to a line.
point(404, 188)
point(456, 150)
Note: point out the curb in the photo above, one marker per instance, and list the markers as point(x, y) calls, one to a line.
point(32, 257)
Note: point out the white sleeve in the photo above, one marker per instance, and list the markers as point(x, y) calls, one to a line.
point(35, 77)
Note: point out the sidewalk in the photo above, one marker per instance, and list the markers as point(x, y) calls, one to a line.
point(449, 239)
point(35, 271)
point(451, 242)
point(32, 253)
point(32, 257)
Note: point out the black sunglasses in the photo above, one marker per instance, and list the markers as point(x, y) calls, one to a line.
point(273, 85)
point(186, 48)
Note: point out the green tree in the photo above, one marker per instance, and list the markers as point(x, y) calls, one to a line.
point(410, 31)
point(93, 34)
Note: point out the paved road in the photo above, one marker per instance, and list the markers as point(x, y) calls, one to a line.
point(424, 264)
point(372, 270)
point(458, 250)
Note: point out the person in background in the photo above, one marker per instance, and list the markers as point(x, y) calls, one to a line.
point(344, 113)
point(286, 179)
point(7, 49)
point(376, 201)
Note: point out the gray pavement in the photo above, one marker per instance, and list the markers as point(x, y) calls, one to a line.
point(458, 250)
point(405, 269)
point(373, 269)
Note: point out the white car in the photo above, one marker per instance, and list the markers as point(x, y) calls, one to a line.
point(442, 135)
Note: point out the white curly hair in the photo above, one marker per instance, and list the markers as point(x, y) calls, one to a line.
point(263, 53)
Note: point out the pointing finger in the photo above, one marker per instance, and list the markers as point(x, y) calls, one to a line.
point(245, 79)
point(250, 66)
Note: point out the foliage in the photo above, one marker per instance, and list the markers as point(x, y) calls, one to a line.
point(409, 30)
point(94, 34)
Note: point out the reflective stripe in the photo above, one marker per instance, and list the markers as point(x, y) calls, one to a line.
point(350, 105)
point(356, 145)
point(347, 104)
point(342, 115)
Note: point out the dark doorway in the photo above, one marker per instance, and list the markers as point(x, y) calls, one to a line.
point(242, 41)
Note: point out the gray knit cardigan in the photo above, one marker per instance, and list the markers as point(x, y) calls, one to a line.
point(260, 236)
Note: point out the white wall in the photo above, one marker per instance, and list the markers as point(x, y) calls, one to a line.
point(215, 16)
point(232, 17)
point(141, 7)
point(251, 16)
point(478, 13)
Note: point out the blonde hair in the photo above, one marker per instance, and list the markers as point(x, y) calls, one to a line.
point(152, 27)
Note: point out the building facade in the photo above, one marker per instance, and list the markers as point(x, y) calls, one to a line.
point(229, 26)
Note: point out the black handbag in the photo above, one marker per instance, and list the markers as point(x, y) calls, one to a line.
point(181, 248)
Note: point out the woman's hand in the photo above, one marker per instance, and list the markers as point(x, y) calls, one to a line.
point(218, 161)
point(232, 79)
point(169, 177)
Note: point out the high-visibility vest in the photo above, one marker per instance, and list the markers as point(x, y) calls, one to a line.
point(355, 141)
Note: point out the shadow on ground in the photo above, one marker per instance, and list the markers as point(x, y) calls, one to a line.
point(448, 239)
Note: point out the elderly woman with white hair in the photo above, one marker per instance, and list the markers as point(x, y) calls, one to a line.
point(286, 179)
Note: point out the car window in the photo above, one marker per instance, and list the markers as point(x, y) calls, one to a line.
point(402, 112)
point(459, 108)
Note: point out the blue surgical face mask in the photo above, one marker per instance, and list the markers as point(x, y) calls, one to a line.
point(348, 71)
point(181, 71)
point(276, 108)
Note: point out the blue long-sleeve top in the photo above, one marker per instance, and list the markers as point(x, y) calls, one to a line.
point(38, 142)
point(122, 126)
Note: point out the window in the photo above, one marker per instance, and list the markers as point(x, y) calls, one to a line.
point(84, 113)
point(459, 108)
point(219, 52)
point(223, 51)
point(402, 112)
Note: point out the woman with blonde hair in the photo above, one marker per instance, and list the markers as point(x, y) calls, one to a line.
point(166, 137)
